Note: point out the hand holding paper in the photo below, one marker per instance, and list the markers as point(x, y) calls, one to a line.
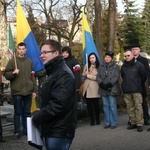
point(34, 135)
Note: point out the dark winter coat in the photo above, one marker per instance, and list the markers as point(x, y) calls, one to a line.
point(144, 61)
point(109, 73)
point(133, 75)
point(73, 64)
point(23, 83)
point(58, 112)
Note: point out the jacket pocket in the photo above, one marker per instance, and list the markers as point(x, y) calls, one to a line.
point(116, 90)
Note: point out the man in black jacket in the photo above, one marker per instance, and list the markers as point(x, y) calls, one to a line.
point(133, 75)
point(136, 52)
point(58, 113)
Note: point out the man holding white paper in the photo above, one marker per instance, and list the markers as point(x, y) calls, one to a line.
point(58, 113)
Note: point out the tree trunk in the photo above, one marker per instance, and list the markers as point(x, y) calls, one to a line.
point(111, 25)
point(98, 27)
point(3, 34)
point(89, 8)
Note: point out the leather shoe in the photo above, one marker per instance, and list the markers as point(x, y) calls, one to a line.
point(139, 128)
point(132, 126)
point(106, 126)
point(92, 123)
point(1, 139)
point(98, 121)
point(129, 122)
point(113, 127)
point(146, 123)
point(148, 129)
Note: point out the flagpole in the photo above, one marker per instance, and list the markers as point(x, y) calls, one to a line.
point(15, 60)
point(87, 62)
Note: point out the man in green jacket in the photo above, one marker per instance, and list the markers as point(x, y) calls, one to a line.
point(19, 71)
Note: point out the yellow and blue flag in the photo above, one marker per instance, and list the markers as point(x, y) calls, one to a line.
point(87, 39)
point(24, 34)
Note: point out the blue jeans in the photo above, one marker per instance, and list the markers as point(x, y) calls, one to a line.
point(22, 104)
point(110, 110)
point(58, 143)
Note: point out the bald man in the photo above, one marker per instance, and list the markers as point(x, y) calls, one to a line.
point(133, 74)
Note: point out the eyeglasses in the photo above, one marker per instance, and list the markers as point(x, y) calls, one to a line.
point(127, 56)
point(45, 52)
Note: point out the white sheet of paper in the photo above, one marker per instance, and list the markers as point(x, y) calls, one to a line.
point(33, 133)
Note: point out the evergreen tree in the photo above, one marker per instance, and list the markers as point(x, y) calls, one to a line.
point(131, 27)
point(146, 23)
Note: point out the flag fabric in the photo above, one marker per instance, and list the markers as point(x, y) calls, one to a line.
point(11, 42)
point(24, 34)
point(33, 106)
point(87, 39)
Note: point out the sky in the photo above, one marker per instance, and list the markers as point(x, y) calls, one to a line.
point(140, 4)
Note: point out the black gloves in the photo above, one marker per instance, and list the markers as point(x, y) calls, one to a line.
point(35, 121)
point(109, 85)
point(105, 86)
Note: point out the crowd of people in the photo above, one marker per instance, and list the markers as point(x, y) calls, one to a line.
point(59, 92)
point(133, 75)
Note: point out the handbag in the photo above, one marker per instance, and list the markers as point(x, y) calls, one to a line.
point(81, 88)
point(81, 108)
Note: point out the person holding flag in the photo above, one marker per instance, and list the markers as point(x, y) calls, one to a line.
point(91, 62)
point(24, 34)
point(23, 86)
point(91, 88)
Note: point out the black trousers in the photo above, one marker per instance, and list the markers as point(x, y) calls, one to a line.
point(1, 128)
point(145, 110)
point(93, 108)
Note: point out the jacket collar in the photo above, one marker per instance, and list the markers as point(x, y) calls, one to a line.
point(130, 63)
point(22, 58)
point(139, 57)
point(108, 64)
point(51, 65)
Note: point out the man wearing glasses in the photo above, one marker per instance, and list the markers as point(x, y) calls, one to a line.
point(58, 113)
point(133, 75)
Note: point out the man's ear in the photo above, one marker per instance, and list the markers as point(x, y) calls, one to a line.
point(56, 53)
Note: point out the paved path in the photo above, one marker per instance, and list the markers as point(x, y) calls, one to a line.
point(96, 138)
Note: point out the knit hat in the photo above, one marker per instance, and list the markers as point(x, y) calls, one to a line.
point(68, 49)
point(110, 53)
